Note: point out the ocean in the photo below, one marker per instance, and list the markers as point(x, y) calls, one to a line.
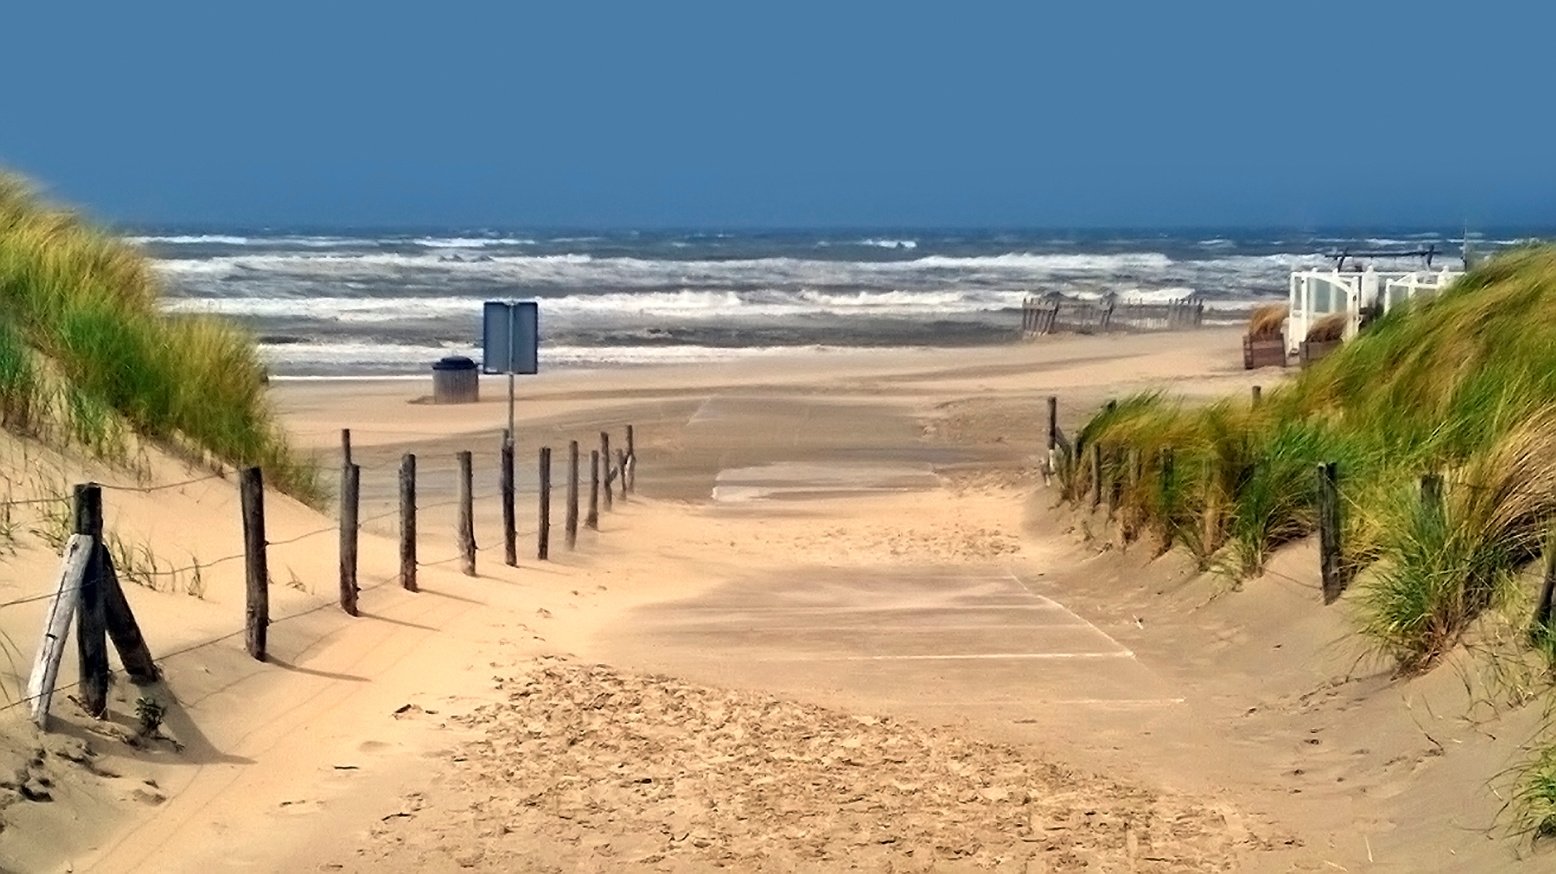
point(374, 303)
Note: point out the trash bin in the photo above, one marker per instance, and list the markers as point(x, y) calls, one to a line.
point(455, 380)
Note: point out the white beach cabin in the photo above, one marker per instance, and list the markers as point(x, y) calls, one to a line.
point(1317, 293)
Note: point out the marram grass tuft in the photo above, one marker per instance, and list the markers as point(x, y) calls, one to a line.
point(84, 347)
point(1463, 385)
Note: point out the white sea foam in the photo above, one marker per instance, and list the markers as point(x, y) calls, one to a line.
point(284, 242)
point(680, 305)
point(1154, 295)
point(470, 242)
point(1015, 270)
point(190, 240)
point(890, 244)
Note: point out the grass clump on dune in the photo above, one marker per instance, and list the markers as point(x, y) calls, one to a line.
point(84, 346)
point(1463, 385)
point(1267, 322)
point(1441, 419)
point(1449, 560)
point(1535, 796)
point(1327, 329)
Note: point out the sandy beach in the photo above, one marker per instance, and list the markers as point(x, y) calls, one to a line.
point(840, 624)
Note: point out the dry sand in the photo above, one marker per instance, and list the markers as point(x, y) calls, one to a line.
point(840, 625)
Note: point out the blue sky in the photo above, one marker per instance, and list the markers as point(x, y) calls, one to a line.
point(740, 114)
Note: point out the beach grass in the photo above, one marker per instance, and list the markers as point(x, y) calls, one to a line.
point(1463, 386)
point(1327, 329)
point(87, 353)
point(1268, 321)
point(1441, 420)
point(1535, 796)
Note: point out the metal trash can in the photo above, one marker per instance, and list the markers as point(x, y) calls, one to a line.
point(456, 380)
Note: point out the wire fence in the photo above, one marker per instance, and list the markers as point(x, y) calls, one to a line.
point(113, 559)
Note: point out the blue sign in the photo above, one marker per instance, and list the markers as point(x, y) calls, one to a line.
point(510, 337)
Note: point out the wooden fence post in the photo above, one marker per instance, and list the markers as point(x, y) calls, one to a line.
point(1136, 467)
point(1115, 485)
point(1053, 423)
point(251, 489)
point(1540, 628)
point(1329, 531)
point(606, 473)
point(123, 630)
point(1096, 475)
point(543, 538)
point(408, 522)
point(466, 532)
point(1210, 536)
point(92, 627)
point(350, 504)
point(1165, 487)
point(593, 519)
point(345, 447)
point(510, 532)
point(572, 494)
point(56, 626)
point(632, 464)
point(621, 471)
point(1257, 393)
point(1432, 493)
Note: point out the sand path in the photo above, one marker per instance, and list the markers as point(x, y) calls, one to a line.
point(826, 565)
point(755, 718)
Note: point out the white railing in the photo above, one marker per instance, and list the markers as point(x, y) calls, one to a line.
point(1315, 294)
point(1424, 285)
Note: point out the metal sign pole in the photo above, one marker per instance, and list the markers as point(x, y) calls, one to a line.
point(511, 326)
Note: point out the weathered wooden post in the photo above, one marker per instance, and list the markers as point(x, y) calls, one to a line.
point(510, 532)
point(56, 626)
point(123, 630)
point(91, 627)
point(621, 471)
point(1541, 626)
point(1432, 494)
point(1210, 531)
point(593, 519)
point(345, 447)
point(350, 493)
point(1113, 481)
point(1257, 393)
point(632, 464)
point(1096, 475)
point(466, 532)
point(1329, 531)
point(606, 473)
point(572, 494)
point(251, 492)
point(408, 522)
point(543, 537)
point(1051, 461)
